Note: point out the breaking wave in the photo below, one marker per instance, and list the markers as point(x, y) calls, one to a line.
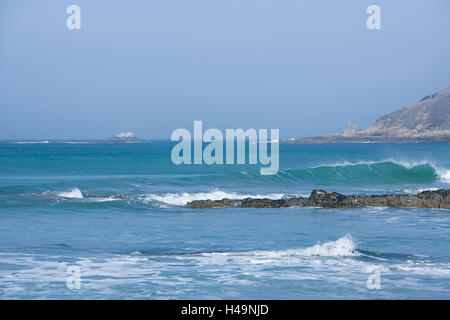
point(342, 247)
point(181, 199)
point(75, 193)
point(377, 172)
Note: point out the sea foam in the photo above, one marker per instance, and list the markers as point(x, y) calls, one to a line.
point(342, 247)
point(75, 193)
point(444, 175)
point(182, 198)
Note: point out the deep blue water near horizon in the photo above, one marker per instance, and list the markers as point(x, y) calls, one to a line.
point(117, 212)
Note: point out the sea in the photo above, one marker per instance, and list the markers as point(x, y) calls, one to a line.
point(109, 221)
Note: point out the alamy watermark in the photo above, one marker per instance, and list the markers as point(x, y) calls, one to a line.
point(73, 22)
point(213, 153)
point(73, 281)
point(373, 22)
point(373, 281)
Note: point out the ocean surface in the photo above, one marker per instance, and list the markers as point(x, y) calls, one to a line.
point(96, 221)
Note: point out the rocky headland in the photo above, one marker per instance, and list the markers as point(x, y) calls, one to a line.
point(427, 120)
point(320, 198)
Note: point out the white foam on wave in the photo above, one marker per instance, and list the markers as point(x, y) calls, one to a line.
point(75, 193)
point(419, 190)
point(181, 199)
point(31, 142)
point(425, 268)
point(342, 247)
point(100, 199)
point(406, 164)
point(444, 175)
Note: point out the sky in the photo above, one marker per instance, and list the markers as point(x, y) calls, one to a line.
point(152, 66)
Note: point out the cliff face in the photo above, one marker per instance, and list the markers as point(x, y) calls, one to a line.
point(425, 121)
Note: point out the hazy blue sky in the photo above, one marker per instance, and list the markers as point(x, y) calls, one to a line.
point(305, 67)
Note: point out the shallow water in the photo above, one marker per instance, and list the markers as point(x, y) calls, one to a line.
point(116, 212)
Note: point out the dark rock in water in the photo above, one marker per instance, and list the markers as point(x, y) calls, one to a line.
point(262, 203)
point(435, 199)
point(198, 204)
point(323, 199)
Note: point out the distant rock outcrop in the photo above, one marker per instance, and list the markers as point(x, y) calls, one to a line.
point(425, 121)
point(352, 129)
point(123, 137)
point(323, 199)
point(126, 135)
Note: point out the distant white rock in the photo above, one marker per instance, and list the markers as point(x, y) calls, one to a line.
point(126, 135)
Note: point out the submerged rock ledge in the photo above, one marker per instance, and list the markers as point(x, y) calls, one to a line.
point(320, 198)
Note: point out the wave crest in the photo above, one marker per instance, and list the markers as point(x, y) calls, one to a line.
point(372, 172)
point(342, 247)
point(75, 193)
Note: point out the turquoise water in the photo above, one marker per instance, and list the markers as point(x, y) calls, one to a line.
point(116, 212)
